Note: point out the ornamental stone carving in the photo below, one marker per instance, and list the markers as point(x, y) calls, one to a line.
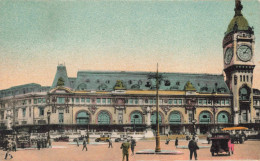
point(92, 109)
point(165, 109)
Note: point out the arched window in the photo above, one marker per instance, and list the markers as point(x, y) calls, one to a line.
point(136, 118)
point(175, 118)
point(204, 117)
point(223, 117)
point(244, 93)
point(103, 118)
point(153, 118)
point(82, 117)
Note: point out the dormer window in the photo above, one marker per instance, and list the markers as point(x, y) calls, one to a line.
point(148, 84)
point(98, 81)
point(167, 83)
point(107, 81)
point(87, 80)
point(178, 83)
point(139, 82)
point(130, 81)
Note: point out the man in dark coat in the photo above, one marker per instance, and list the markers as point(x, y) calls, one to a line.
point(110, 143)
point(133, 144)
point(176, 142)
point(193, 148)
point(125, 149)
point(84, 145)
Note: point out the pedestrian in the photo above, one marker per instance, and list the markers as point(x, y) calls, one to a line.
point(167, 141)
point(176, 142)
point(77, 140)
point(193, 147)
point(9, 147)
point(110, 143)
point(125, 149)
point(84, 145)
point(133, 144)
point(38, 144)
point(208, 137)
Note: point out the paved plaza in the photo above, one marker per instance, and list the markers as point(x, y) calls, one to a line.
point(63, 151)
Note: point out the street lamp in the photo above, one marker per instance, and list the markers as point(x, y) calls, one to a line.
point(194, 126)
point(157, 148)
point(48, 116)
point(88, 130)
point(214, 110)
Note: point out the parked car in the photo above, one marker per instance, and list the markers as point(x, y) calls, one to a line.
point(62, 138)
point(122, 138)
point(102, 138)
point(81, 138)
point(221, 143)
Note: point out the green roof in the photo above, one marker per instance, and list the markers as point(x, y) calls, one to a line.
point(241, 22)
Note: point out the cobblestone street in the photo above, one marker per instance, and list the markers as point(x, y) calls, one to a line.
point(65, 152)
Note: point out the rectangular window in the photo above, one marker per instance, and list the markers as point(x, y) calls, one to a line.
point(175, 102)
point(24, 112)
point(209, 102)
point(82, 100)
point(43, 100)
point(24, 102)
point(103, 101)
point(200, 102)
point(35, 101)
point(179, 102)
point(77, 100)
point(41, 111)
point(72, 100)
point(160, 102)
point(218, 102)
point(136, 101)
point(98, 100)
point(109, 101)
point(146, 101)
point(88, 100)
point(29, 101)
point(227, 102)
point(150, 101)
point(154, 101)
point(222, 102)
point(204, 102)
point(130, 101)
point(61, 100)
point(170, 102)
point(30, 112)
point(39, 100)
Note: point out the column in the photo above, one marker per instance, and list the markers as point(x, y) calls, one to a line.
point(148, 117)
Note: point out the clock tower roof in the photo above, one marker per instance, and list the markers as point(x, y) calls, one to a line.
point(239, 22)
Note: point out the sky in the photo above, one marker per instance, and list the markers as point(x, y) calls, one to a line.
point(121, 35)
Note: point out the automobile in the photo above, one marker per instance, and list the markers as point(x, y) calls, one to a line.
point(237, 134)
point(122, 138)
point(102, 138)
point(62, 138)
point(221, 143)
point(81, 138)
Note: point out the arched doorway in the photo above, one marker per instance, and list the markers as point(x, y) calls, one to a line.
point(175, 117)
point(153, 118)
point(136, 117)
point(204, 117)
point(223, 117)
point(83, 117)
point(103, 117)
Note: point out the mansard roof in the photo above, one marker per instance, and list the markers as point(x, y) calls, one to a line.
point(23, 89)
point(106, 81)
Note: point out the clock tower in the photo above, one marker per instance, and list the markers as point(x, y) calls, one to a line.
point(238, 50)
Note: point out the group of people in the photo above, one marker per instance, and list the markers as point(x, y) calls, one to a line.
point(176, 141)
point(43, 143)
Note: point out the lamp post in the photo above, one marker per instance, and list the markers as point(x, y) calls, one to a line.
point(88, 131)
point(214, 110)
point(49, 116)
point(157, 148)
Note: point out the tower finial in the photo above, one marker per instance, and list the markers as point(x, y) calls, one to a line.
point(238, 8)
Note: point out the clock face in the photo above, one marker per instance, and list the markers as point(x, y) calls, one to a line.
point(244, 53)
point(228, 55)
